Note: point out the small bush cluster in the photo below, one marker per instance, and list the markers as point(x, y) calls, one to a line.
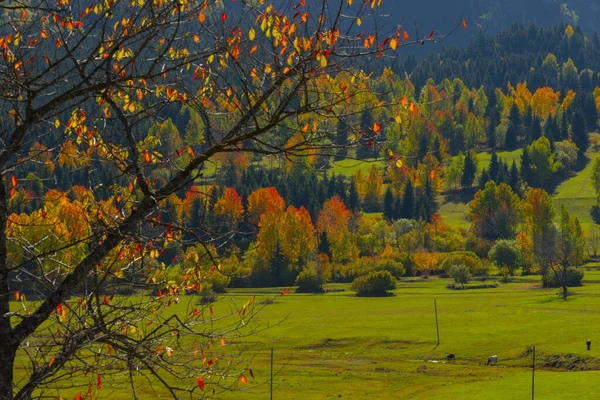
point(574, 278)
point(374, 284)
point(460, 273)
point(466, 258)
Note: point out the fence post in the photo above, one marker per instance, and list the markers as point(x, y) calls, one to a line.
point(271, 373)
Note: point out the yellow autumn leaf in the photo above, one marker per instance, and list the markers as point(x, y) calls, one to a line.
point(251, 34)
point(57, 124)
point(323, 61)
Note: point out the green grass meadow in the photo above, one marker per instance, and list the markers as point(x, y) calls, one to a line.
point(336, 345)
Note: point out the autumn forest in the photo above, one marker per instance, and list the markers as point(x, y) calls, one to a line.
point(173, 171)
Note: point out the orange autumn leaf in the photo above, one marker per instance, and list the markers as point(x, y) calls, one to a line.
point(51, 361)
point(243, 379)
point(377, 128)
point(223, 342)
point(109, 349)
point(464, 23)
point(13, 181)
point(286, 291)
point(405, 36)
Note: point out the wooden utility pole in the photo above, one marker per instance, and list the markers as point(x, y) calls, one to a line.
point(437, 327)
point(271, 373)
point(533, 376)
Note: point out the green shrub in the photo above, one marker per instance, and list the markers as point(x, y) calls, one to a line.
point(408, 262)
point(467, 258)
point(460, 273)
point(574, 278)
point(506, 252)
point(308, 281)
point(392, 266)
point(374, 284)
point(481, 247)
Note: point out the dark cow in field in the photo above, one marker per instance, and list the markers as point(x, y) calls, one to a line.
point(493, 360)
point(451, 357)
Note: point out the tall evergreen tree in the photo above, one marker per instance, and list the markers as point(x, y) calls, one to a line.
point(514, 178)
point(525, 166)
point(494, 166)
point(536, 129)
point(580, 135)
point(514, 128)
point(366, 123)
point(511, 141)
point(277, 265)
point(408, 201)
point(469, 172)
point(388, 204)
point(431, 196)
point(483, 178)
point(341, 139)
point(353, 198)
point(398, 208)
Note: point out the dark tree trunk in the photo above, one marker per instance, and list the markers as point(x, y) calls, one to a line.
point(7, 349)
point(564, 280)
point(7, 359)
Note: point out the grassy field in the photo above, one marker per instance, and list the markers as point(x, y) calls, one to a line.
point(483, 159)
point(578, 194)
point(349, 167)
point(336, 345)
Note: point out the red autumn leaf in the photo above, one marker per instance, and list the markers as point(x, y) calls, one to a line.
point(109, 348)
point(99, 382)
point(105, 300)
point(251, 373)
point(224, 17)
point(201, 383)
point(430, 35)
point(79, 397)
point(286, 291)
point(405, 36)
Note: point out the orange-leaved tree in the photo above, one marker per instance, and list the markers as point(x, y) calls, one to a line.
point(89, 163)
